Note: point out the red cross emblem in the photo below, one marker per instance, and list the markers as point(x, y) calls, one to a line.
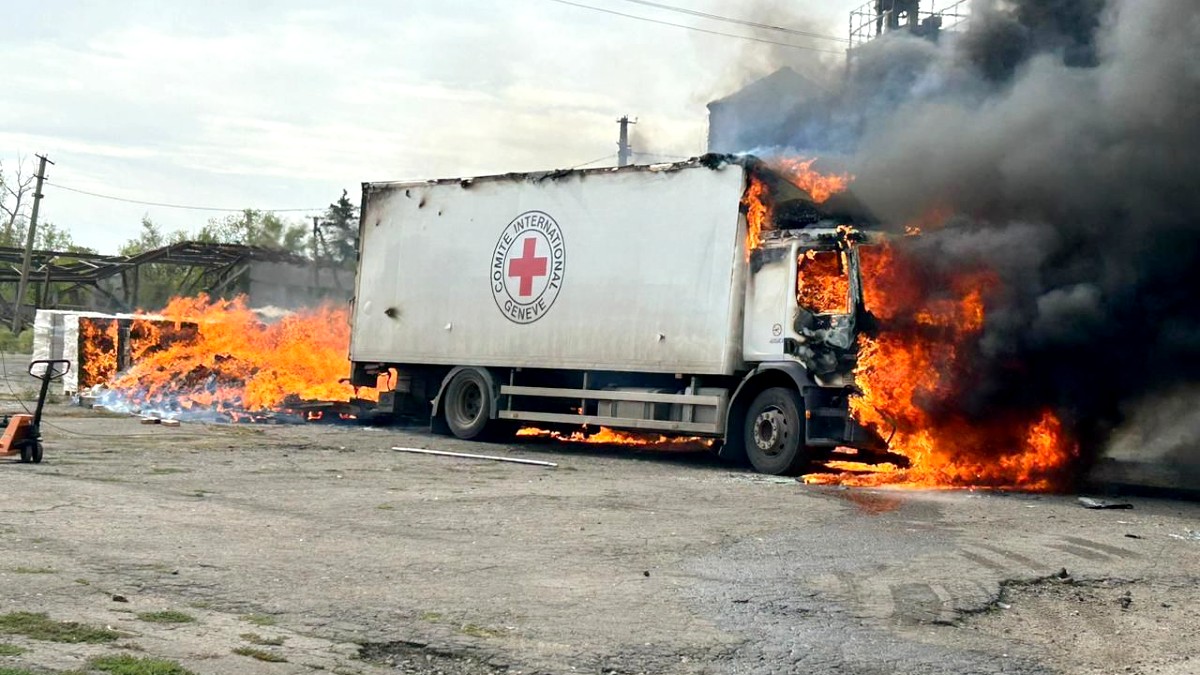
point(528, 267)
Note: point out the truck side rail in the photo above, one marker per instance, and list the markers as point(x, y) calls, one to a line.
point(702, 412)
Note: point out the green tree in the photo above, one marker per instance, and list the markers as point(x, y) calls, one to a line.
point(257, 228)
point(51, 237)
point(157, 283)
point(339, 232)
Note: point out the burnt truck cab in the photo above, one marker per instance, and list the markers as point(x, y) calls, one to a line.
point(804, 305)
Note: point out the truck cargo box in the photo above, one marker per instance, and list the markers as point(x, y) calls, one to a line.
point(635, 269)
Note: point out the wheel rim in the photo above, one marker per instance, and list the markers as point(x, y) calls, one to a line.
point(469, 403)
point(770, 430)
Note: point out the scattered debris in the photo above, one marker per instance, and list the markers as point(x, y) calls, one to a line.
point(1125, 600)
point(1189, 535)
point(466, 455)
point(170, 423)
point(119, 598)
point(1092, 503)
point(1133, 536)
point(151, 420)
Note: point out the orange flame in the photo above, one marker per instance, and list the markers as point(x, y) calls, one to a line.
point(97, 350)
point(914, 371)
point(230, 361)
point(757, 200)
point(820, 186)
point(758, 213)
point(606, 436)
point(822, 284)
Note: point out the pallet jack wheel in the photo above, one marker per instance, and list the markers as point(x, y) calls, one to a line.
point(35, 452)
point(26, 449)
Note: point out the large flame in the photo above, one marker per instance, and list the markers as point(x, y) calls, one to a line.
point(916, 369)
point(758, 212)
point(97, 350)
point(822, 284)
point(221, 357)
point(756, 200)
point(799, 172)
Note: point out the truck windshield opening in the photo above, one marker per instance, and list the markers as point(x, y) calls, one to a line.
point(823, 282)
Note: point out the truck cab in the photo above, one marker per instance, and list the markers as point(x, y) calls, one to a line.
point(804, 304)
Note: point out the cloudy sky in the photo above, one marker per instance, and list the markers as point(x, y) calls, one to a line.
point(283, 104)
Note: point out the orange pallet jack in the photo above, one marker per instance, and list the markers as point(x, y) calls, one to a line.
point(23, 432)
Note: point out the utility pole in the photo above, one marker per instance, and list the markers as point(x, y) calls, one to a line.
point(624, 152)
point(316, 237)
point(28, 259)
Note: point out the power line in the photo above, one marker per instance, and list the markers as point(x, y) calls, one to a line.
point(743, 22)
point(598, 159)
point(698, 30)
point(655, 154)
point(170, 206)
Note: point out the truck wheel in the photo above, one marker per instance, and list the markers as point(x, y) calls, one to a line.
point(775, 433)
point(467, 404)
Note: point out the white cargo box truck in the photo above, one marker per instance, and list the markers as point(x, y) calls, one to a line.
point(623, 298)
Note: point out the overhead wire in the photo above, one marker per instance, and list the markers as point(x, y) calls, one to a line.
point(598, 159)
point(167, 205)
point(679, 158)
point(697, 29)
point(743, 22)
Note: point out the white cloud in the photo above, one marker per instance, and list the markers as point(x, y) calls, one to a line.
point(284, 104)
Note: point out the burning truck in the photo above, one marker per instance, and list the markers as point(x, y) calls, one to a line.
point(675, 298)
point(724, 302)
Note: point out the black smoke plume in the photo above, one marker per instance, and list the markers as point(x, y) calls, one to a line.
point(1065, 137)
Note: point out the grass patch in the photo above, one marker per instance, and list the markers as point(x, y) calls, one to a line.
point(256, 639)
point(386, 507)
point(34, 570)
point(16, 671)
point(41, 627)
point(83, 582)
point(260, 654)
point(167, 616)
point(124, 664)
point(475, 630)
point(258, 619)
point(431, 617)
point(11, 650)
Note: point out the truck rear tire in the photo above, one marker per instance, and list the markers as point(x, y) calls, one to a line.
point(467, 405)
point(774, 433)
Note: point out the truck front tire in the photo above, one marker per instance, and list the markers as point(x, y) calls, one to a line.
point(467, 404)
point(774, 433)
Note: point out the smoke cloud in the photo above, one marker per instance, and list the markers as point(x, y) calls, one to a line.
point(1065, 137)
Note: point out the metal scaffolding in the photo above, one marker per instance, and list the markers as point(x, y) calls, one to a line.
point(219, 265)
point(879, 17)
